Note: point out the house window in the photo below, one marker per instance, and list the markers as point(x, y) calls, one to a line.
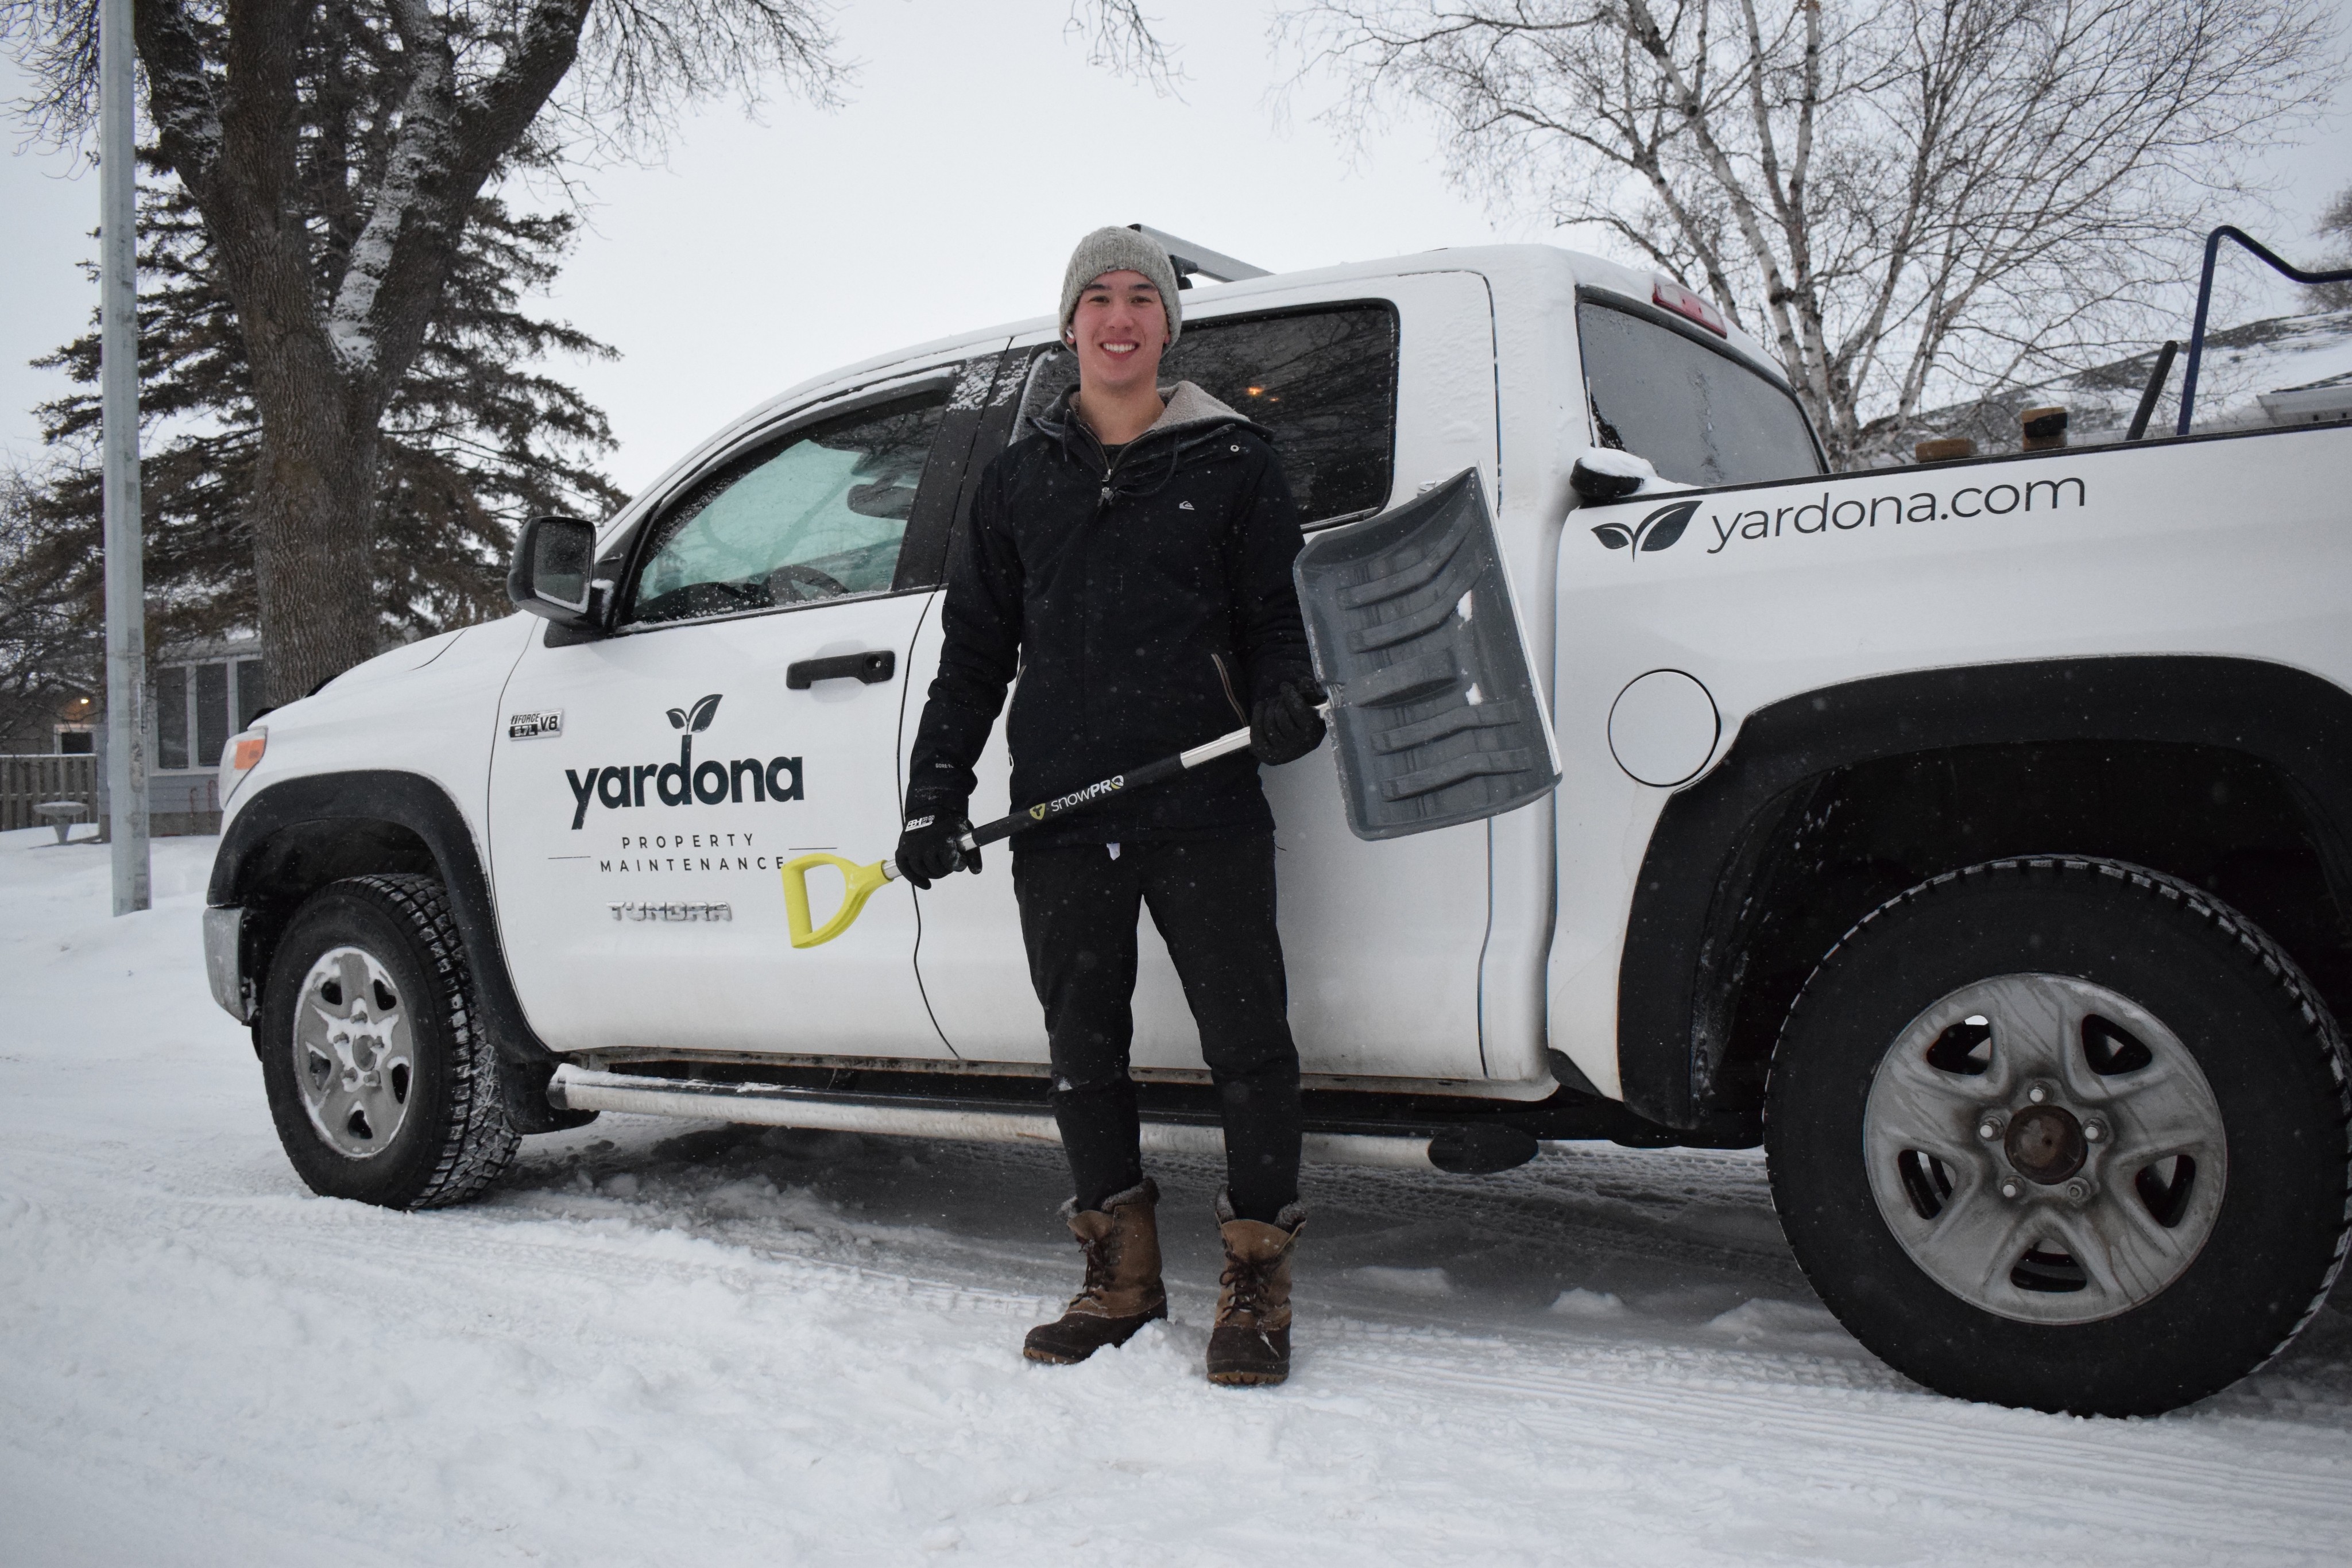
point(193, 705)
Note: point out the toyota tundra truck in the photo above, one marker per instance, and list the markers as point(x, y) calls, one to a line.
point(1976, 837)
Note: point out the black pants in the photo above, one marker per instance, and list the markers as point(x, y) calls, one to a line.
point(1213, 901)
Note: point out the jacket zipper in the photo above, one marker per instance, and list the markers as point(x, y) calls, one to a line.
point(1110, 472)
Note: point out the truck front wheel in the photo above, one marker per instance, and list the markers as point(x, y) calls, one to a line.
point(383, 1084)
point(2062, 1133)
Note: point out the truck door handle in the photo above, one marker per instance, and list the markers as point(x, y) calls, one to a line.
point(871, 668)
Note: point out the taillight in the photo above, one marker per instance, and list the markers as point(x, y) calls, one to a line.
point(244, 754)
point(1674, 297)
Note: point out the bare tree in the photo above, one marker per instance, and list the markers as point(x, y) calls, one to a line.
point(1890, 192)
point(2335, 225)
point(50, 651)
point(1120, 38)
point(333, 298)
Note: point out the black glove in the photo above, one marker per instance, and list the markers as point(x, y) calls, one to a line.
point(1285, 727)
point(928, 848)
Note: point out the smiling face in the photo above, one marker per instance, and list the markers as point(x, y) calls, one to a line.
point(1119, 330)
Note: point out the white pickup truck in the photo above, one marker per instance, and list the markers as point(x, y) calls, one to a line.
point(1976, 837)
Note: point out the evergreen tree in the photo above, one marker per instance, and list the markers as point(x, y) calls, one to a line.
point(475, 439)
point(337, 157)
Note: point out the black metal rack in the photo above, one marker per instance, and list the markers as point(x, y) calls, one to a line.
point(2205, 299)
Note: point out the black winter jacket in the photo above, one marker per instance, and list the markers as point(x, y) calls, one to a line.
point(1146, 605)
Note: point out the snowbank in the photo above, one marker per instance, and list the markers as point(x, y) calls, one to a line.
point(668, 1343)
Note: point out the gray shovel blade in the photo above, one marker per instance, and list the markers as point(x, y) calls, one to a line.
point(1434, 708)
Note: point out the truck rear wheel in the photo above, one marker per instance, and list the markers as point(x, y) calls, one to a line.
point(383, 1084)
point(2062, 1133)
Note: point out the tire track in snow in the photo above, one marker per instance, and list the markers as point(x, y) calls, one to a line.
point(2139, 1479)
point(1632, 1395)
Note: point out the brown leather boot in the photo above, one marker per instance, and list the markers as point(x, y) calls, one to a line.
point(1122, 1291)
point(1251, 1343)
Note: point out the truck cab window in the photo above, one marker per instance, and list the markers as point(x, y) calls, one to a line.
point(1324, 380)
point(819, 514)
point(1700, 415)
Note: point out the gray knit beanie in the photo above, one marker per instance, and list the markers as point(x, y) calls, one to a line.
point(1121, 250)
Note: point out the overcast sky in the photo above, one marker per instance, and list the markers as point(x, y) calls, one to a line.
point(975, 147)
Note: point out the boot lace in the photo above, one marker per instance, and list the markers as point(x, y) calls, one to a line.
point(1245, 1286)
point(1102, 1260)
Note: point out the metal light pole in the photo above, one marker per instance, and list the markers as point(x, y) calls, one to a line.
point(126, 608)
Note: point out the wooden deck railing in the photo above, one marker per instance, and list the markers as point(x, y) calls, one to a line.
point(26, 782)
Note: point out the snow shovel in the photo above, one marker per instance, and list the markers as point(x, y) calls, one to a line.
point(1433, 707)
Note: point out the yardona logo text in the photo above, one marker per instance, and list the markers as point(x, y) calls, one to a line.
point(685, 782)
point(1835, 511)
point(1651, 534)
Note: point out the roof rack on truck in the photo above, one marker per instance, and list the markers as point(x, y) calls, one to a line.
point(1189, 258)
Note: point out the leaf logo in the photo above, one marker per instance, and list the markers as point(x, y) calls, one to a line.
point(1653, 533)
point(697, 719)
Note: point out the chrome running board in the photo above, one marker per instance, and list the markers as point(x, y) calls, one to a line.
point(575, 1088)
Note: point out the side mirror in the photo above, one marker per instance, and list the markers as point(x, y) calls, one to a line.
point(1604, 475)
point(553, 571)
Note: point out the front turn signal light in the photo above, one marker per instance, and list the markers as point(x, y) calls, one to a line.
point(243, 754)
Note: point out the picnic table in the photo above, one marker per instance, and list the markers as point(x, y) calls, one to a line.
point(62, 815)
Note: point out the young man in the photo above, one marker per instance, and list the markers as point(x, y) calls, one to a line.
point(1129, 558)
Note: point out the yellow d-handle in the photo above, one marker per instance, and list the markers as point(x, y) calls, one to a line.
point(859, 883)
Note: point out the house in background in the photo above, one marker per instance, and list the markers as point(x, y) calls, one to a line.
point(45, 749)
point(203, 693)
point(70, 730)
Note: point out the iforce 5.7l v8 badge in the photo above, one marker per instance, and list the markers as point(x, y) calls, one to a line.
point(531, 726)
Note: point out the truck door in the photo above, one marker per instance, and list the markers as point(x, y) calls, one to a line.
point(1372, 390)
point(648, 785)
point(1668, 391)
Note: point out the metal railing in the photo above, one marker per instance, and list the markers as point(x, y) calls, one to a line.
point(182, 795)
point(2205, 299)
point(25, 781)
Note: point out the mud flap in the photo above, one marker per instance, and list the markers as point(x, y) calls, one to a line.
point(1435, 713)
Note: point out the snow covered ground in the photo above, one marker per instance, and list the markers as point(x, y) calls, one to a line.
point(663, 1342)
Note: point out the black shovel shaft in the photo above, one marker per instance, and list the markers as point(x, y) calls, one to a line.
point(1102, 789)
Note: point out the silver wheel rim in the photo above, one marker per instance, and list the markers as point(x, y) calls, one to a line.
point(1967, 1134)
point(354, 1056)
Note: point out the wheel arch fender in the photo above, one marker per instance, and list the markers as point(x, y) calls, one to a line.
point(1711, 856)
point(299, 835)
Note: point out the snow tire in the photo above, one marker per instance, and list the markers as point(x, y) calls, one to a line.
point(452, 1135)
point(2273, 1064)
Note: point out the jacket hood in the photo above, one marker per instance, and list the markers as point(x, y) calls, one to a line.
point(1190, 411)
point(1187, 406)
